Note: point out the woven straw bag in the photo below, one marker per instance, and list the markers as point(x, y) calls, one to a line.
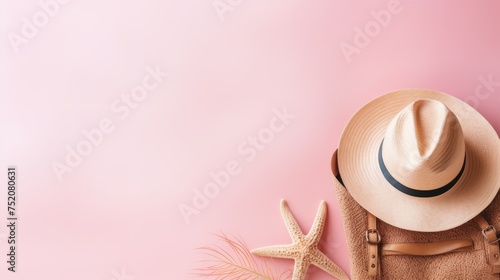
point(380, 251)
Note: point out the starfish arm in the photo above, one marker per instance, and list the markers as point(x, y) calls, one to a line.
point(300, 269)
point(276, 251)
point(318, 225)
point(322, 261)
point(290, 222)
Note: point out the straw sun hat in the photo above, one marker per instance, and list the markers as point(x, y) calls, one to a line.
point(420, 160)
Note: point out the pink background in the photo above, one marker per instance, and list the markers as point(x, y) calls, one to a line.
point(119, 208)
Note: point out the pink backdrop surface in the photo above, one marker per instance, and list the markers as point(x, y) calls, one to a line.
point(289, 72)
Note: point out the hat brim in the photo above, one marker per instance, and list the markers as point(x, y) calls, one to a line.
point(361, 174)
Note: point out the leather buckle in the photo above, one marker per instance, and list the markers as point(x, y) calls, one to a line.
point(367, 235)
point(490, 228)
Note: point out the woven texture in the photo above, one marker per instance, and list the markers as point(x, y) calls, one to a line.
point(460, 265)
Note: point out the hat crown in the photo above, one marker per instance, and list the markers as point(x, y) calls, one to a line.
point(424, 147)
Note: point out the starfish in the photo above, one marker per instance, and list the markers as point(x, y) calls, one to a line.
point(304, 248)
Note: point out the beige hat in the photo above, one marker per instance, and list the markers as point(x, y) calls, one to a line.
point(420, 160)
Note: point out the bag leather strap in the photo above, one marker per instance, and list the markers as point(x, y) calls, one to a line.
point(491, 246)
point(373, 239)
point(427, 249)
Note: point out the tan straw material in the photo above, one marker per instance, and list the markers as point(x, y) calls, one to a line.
point(420, 160)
